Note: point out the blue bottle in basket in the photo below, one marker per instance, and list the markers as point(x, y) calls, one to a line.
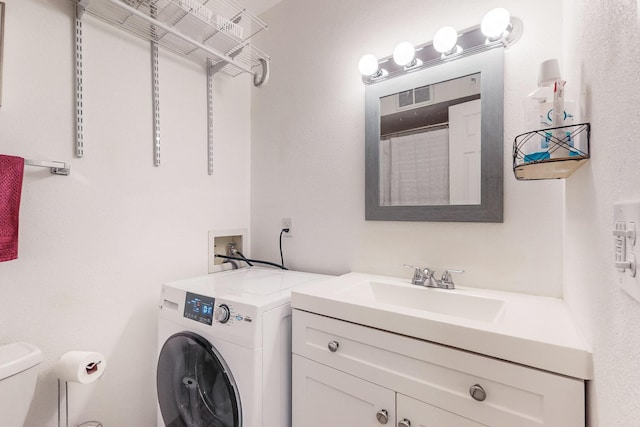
point(538, 117)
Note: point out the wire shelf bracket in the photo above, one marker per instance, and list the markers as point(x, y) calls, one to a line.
point(205, 31)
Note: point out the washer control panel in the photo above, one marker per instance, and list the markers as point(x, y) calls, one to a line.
point(230, 313)
point(214, 311)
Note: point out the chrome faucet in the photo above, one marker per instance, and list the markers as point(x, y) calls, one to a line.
point(422, 276)
point(425, 277)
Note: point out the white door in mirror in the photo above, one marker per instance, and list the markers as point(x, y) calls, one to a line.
point(464, 153)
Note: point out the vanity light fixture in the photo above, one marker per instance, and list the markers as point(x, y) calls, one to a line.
point(405, 55)
point(370, 68)
point(497, 25)
point(445, 41)
point(498, 29)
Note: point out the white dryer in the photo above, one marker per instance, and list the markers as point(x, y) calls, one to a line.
point(225, 349)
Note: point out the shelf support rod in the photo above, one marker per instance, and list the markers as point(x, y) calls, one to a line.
point(156, 104)
point(155, 79)
point(77, 44)
point(178, 34)
point(210, 72)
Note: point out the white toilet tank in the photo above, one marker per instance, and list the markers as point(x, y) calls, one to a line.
point(18, 376)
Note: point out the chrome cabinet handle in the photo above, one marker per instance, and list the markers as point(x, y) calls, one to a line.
point(333, 346)
point(477, 392)
point(382, 416)
point(404, 423)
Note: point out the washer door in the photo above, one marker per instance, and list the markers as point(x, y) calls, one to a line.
point(195, 385)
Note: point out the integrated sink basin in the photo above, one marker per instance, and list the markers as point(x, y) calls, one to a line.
point(456, 303)
point(525, 329)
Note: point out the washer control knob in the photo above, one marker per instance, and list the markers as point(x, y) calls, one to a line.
point(223, 313)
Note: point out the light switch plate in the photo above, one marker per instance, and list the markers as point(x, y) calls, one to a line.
point(626, 218)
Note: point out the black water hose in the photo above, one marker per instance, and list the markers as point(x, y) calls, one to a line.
point(284, 230)
point(244, 258)
point(234, 264)
point(273, 264)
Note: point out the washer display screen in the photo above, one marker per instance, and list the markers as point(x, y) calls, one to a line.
point(199, 308)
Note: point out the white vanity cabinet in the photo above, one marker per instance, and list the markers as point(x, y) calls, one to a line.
point(346, 375)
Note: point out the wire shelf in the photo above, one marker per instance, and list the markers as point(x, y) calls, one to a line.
point(208, 32)
point(551, 153)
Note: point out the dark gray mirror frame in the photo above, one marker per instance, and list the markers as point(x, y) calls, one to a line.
point(491, 66)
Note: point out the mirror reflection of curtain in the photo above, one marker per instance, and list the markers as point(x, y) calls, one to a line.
point(415, 169)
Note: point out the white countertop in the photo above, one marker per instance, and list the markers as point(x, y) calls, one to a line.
point(529, 330)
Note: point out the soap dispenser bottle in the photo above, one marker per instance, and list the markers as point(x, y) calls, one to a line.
point(536, 107)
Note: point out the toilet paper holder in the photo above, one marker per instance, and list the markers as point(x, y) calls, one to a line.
point(92, 367)
point(81, 367)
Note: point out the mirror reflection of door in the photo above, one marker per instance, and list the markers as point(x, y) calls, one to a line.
point(464, 153)
point(430, 144)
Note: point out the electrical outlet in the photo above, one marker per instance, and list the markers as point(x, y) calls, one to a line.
point(287, 223)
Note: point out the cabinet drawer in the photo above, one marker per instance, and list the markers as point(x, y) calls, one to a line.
point(442, 376)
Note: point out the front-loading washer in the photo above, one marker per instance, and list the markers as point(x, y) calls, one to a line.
point(224, 355)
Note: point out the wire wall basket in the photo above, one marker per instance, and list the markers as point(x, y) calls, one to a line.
point(551, 153)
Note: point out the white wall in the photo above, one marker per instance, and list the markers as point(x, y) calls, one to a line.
point(96, 245)
point(308, 148)
point(602, 51)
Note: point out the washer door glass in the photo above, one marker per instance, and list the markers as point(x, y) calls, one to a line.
point(195, 385)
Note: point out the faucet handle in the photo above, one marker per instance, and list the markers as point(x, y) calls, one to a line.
point(446, 280)
point(416, 270)
point(418, 278)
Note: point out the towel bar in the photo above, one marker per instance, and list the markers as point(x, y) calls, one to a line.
point(58, 168)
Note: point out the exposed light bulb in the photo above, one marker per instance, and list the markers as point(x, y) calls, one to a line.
point(495, 23)
point(404, 54)
point(368, 65)
point(445, 39)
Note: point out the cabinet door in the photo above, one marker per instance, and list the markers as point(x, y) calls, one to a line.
point(324, 396)
point(419, 414)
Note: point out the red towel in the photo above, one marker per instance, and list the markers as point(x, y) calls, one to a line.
point(11, 173)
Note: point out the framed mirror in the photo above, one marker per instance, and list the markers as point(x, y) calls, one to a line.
point(434, 143)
